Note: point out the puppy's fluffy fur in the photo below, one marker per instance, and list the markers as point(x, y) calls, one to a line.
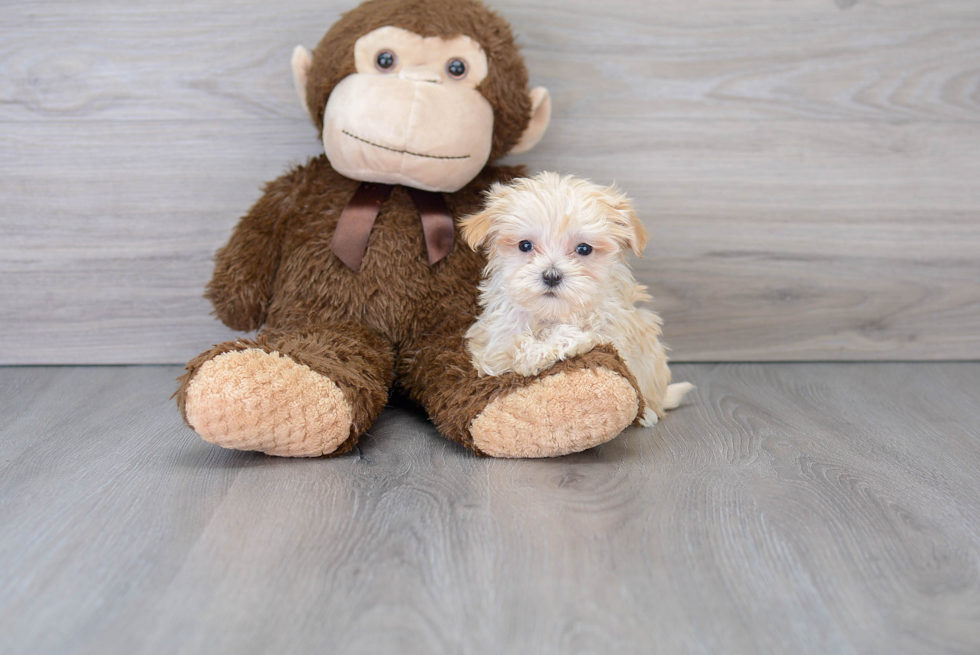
point(570, 289)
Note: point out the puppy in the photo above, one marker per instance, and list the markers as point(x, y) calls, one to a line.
point(557, 283)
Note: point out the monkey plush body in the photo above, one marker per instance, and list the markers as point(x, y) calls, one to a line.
point(340, 326)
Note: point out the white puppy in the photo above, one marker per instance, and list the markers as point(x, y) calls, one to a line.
point(557, 283)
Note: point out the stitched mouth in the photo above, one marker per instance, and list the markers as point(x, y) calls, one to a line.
point(401, 152)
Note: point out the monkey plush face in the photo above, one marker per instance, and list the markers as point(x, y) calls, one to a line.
point(411, 114)
point(399, 104)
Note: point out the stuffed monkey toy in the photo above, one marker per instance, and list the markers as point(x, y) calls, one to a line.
point(351, 269)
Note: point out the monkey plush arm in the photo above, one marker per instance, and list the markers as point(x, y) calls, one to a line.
point(241, 286)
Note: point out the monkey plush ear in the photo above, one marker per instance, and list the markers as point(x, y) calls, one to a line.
point(302, 60)
point(540, 117)
point(631, 231)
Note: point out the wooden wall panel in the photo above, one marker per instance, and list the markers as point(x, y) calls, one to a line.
point(808, 169)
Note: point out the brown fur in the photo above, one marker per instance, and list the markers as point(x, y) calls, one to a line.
point(505, 87)
point(441, 378)
point(398, 319)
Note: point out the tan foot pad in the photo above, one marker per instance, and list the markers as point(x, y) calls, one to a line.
point(254, 400)
point(560, 414)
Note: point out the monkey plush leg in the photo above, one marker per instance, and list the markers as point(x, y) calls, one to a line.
point(291, 394)
point(574, 405)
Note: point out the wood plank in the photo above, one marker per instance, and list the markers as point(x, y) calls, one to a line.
point(713, 59)
point(105, 249)
point(788, 508)
point(797, 240)
point(808, 168)
point(767, 249)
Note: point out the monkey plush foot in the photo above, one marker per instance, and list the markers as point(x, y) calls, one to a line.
point(266, 402)
point(557, 415)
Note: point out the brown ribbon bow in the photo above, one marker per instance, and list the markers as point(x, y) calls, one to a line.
point(356, 220)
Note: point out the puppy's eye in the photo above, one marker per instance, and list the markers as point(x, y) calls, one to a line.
point(583, 249)
point(385, 60)
point(525, 246)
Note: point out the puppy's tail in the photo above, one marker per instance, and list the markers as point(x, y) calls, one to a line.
point(675, 394)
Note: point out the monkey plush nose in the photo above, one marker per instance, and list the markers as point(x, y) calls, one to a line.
point(552, 278)
point(420, 74)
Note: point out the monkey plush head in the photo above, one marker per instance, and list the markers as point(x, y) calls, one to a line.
point(422, 93)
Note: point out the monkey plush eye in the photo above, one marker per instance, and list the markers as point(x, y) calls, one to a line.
point(456, 68)
point(583, 249)
point(525, 246)
point(385, 60)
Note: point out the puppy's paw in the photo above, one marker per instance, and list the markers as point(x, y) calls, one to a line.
point(532, 357)
point(650, 418)
point(492, 363)
point(580, 344)
point(569, 341)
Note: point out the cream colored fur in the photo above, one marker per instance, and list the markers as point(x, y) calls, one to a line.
point(561, 414)
point(540, 117)
point(526, 325)
point(301, 62)
point(266, 402)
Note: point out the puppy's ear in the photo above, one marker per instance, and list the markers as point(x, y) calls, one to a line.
point(476, 228)
point(631, 231)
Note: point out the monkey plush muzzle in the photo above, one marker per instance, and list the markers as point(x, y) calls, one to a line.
point(405, 130)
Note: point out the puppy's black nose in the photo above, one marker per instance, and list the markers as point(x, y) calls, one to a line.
point(551, 278)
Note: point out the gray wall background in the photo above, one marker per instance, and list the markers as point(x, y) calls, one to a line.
point(810, 169)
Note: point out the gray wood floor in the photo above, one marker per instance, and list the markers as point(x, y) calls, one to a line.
point(789, 508)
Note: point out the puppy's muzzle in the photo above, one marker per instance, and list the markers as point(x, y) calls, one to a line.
point(551, 278)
